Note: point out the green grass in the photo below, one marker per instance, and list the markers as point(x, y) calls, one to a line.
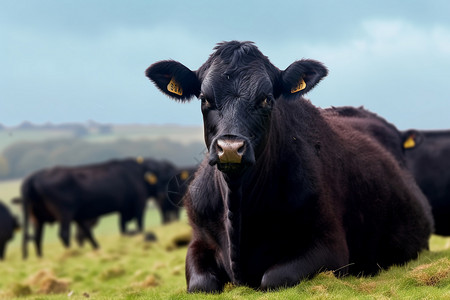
point(130, 268)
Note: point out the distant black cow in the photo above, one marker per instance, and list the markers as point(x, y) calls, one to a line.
point(8, 223)
point(168, 203)
point(284, 191)
point(83, 193)
point(428, 157)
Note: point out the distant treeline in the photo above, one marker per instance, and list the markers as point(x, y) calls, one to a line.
point(77, 129)
point(20, 159)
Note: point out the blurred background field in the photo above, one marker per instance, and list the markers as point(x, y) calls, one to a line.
point(28, 147)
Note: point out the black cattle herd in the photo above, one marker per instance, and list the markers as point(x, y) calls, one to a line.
point(285, 190)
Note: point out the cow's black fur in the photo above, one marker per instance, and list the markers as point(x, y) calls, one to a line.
point(429, 161)
point(286, 191)
point(427, 157)
point(375, 126)
point(83, 193)
point(8, 223)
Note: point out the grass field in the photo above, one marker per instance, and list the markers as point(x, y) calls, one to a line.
point(131, 268)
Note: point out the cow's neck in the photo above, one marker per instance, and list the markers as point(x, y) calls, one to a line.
point(232, 196)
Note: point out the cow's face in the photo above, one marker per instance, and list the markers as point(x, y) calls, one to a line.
point(238, 88)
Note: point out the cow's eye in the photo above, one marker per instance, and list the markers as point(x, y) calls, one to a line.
point(205, 102)
point(266, 102)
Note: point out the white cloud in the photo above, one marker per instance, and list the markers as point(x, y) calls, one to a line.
point(393, 67)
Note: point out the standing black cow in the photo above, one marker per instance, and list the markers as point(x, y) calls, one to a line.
point(169, 203)
point(83, 193)
point(8, 224)
point(428, 157)
point(286, 192)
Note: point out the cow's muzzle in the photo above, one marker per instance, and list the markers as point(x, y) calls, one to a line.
point(231, 153)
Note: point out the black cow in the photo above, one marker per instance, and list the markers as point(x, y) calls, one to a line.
point(8, 224)
point(169, 203)
point(424, 153)
point(428, 157)
point(285, 191)
point(83, 193)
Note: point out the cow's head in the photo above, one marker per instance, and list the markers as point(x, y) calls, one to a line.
point(156, 175)
point(411, 139)
point(238, 88)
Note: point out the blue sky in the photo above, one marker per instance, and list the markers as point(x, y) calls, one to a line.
point(74, 61)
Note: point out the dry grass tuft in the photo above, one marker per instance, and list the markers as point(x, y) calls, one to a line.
point(318, 289)
point(46, 281)
point(367, 287)
point(20, 290)
point(326, 274)
point(431, 274)
point(52, 285)
point(159, 265)
point(39, 276)
point(177, 270)
point(112, 273)
point(150, 281)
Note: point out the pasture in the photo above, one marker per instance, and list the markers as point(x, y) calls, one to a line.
point(131, 268)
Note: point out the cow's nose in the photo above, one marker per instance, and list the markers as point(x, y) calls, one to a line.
point(230, 150)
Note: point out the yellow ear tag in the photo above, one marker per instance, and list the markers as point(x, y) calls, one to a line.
point(300, 86)
point(151, 178)
point(184, 175)
point(174, 87)
point(409, 143)
point(139, 159)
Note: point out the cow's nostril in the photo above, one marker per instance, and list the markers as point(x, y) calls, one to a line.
point(241, 149)
point(219, 149)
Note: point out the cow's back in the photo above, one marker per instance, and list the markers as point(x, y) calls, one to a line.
point(92, 190)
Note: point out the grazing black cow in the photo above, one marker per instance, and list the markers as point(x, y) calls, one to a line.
point(428, 157)
point(169, 203)
point(83, 193)
point(285, 191)
point(8, 224)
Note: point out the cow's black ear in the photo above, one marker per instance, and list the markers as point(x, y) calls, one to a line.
point(174, 79)
point(411, 139)
point(301, 76)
